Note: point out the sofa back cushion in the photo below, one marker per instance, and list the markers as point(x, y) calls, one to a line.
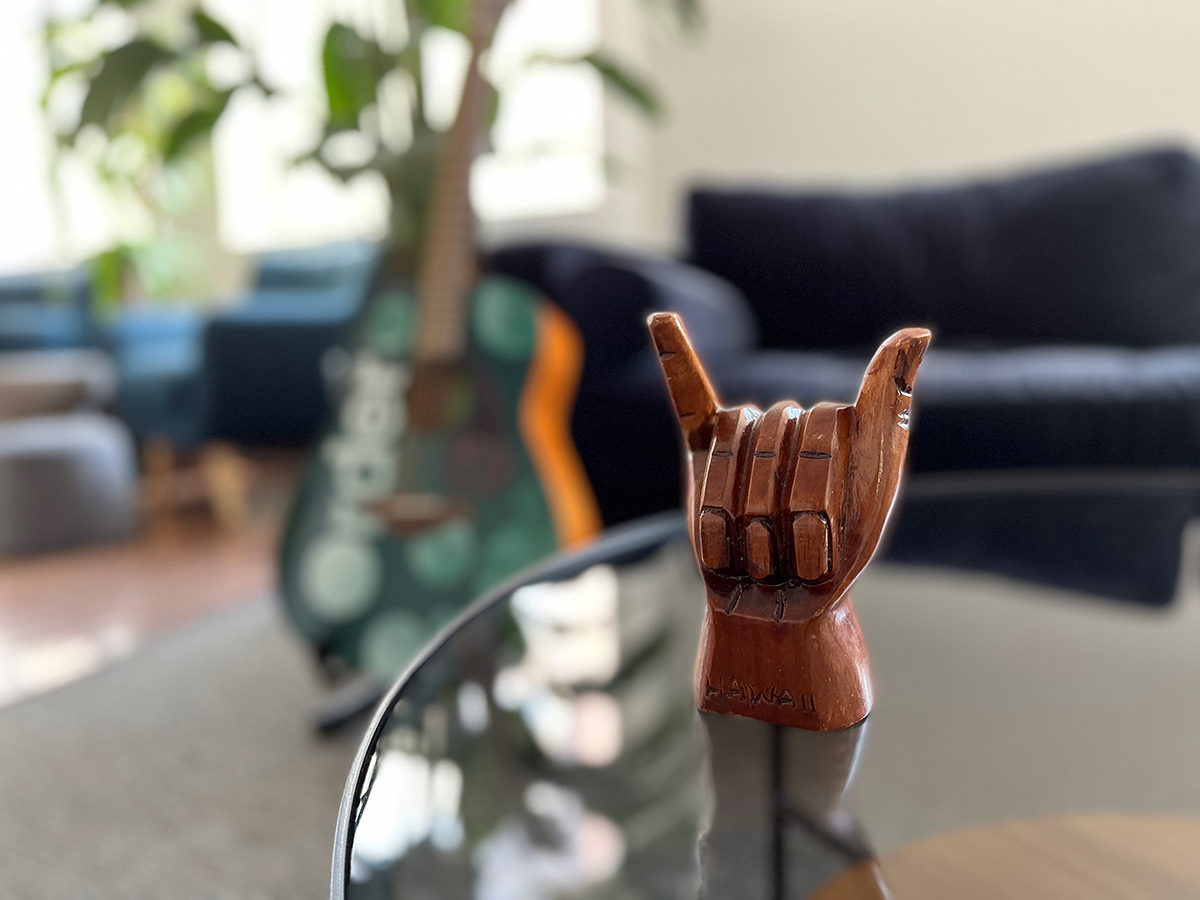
point(1105, 252)
point(346, 266)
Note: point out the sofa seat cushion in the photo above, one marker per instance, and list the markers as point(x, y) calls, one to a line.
point(1049, 407)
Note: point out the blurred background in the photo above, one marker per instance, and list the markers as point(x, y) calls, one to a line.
point(200, 201)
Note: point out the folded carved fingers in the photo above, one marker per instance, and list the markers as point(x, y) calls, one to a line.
point(791, 496)
point(770, 507)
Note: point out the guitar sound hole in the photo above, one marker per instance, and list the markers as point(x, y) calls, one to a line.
point(480, 464)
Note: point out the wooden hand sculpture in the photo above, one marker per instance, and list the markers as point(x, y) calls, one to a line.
point(786, 508)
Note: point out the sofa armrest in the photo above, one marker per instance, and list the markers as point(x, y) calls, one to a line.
point(623, 423)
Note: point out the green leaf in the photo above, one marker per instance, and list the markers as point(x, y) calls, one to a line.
point(210, 30)
point(627, 84)
point(122, 72)
point(493, 106)
point(267, 90)
point(453, 14)
point(190, 128)
point(109, 271)
point(197, 124)
point(56, 75)
point(688, 14)
point(353, 67)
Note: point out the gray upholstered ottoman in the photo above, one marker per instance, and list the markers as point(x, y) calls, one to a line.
point(40, 382)
point(65, 479)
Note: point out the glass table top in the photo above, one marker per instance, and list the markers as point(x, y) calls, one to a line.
point(547, 746)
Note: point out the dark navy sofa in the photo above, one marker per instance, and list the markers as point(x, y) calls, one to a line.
point(1058, 420)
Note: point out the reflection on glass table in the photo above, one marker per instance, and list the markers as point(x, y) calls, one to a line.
point(548, 746)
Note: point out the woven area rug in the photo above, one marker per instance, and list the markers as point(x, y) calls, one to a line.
point(188, 770)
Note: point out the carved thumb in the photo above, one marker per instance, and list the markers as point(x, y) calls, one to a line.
point(879, 443)
point(889, 379)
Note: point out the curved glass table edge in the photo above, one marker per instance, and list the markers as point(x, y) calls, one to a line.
point(640, 536)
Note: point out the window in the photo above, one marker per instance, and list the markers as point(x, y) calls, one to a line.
point(547, 159)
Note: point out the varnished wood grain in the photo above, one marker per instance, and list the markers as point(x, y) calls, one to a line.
point(812, 546)
point(1081, 857)
point(786, 508)
point(694, 398)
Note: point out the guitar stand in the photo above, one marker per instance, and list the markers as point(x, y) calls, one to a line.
point(347, 704)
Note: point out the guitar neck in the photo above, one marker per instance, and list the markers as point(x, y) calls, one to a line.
point(448, 265)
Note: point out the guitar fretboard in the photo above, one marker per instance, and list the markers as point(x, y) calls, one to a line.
point(447, 267)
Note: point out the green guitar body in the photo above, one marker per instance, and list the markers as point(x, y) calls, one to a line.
point(367, 594)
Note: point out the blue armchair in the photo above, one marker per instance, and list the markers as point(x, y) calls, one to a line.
point(46, 310)
point(262, 358)
point(250, 374)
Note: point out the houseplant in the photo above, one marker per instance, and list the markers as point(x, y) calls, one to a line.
point(150, 85)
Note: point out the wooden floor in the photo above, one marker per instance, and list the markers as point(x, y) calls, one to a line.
point(65, 614)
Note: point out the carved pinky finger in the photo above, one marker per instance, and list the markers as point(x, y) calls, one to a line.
point(694, 399)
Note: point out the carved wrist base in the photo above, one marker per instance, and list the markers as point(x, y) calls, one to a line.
point(810, 675)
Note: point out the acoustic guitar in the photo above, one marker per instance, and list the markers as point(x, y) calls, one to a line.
point(450, 464)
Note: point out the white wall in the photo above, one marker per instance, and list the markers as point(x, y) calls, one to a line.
point(797, 91)
point(781, 91)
